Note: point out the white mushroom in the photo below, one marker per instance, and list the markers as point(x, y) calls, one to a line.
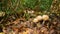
point(35, 20)
point(39, 17)
point(45, 17)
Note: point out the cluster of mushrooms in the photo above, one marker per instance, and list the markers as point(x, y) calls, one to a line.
point(39, 18)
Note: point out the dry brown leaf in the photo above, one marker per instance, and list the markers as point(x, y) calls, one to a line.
point(16, 21)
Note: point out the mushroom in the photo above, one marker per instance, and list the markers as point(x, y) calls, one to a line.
point(45, 18)
point(35, 20)
point(38, 18)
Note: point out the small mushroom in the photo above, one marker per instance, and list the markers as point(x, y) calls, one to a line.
point(45, 17)
point(39, 17)
point(35, 20)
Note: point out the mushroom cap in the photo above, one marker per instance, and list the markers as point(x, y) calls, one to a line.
point(35, 20)
point(45, 17)
point(39, 17)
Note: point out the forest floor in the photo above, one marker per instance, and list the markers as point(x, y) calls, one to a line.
point(35, 22)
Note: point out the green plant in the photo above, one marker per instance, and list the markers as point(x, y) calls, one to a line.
point(27, 16)
point(29, 3)
point(45, 4)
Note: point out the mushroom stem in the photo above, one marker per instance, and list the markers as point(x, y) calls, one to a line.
point(43, 22)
